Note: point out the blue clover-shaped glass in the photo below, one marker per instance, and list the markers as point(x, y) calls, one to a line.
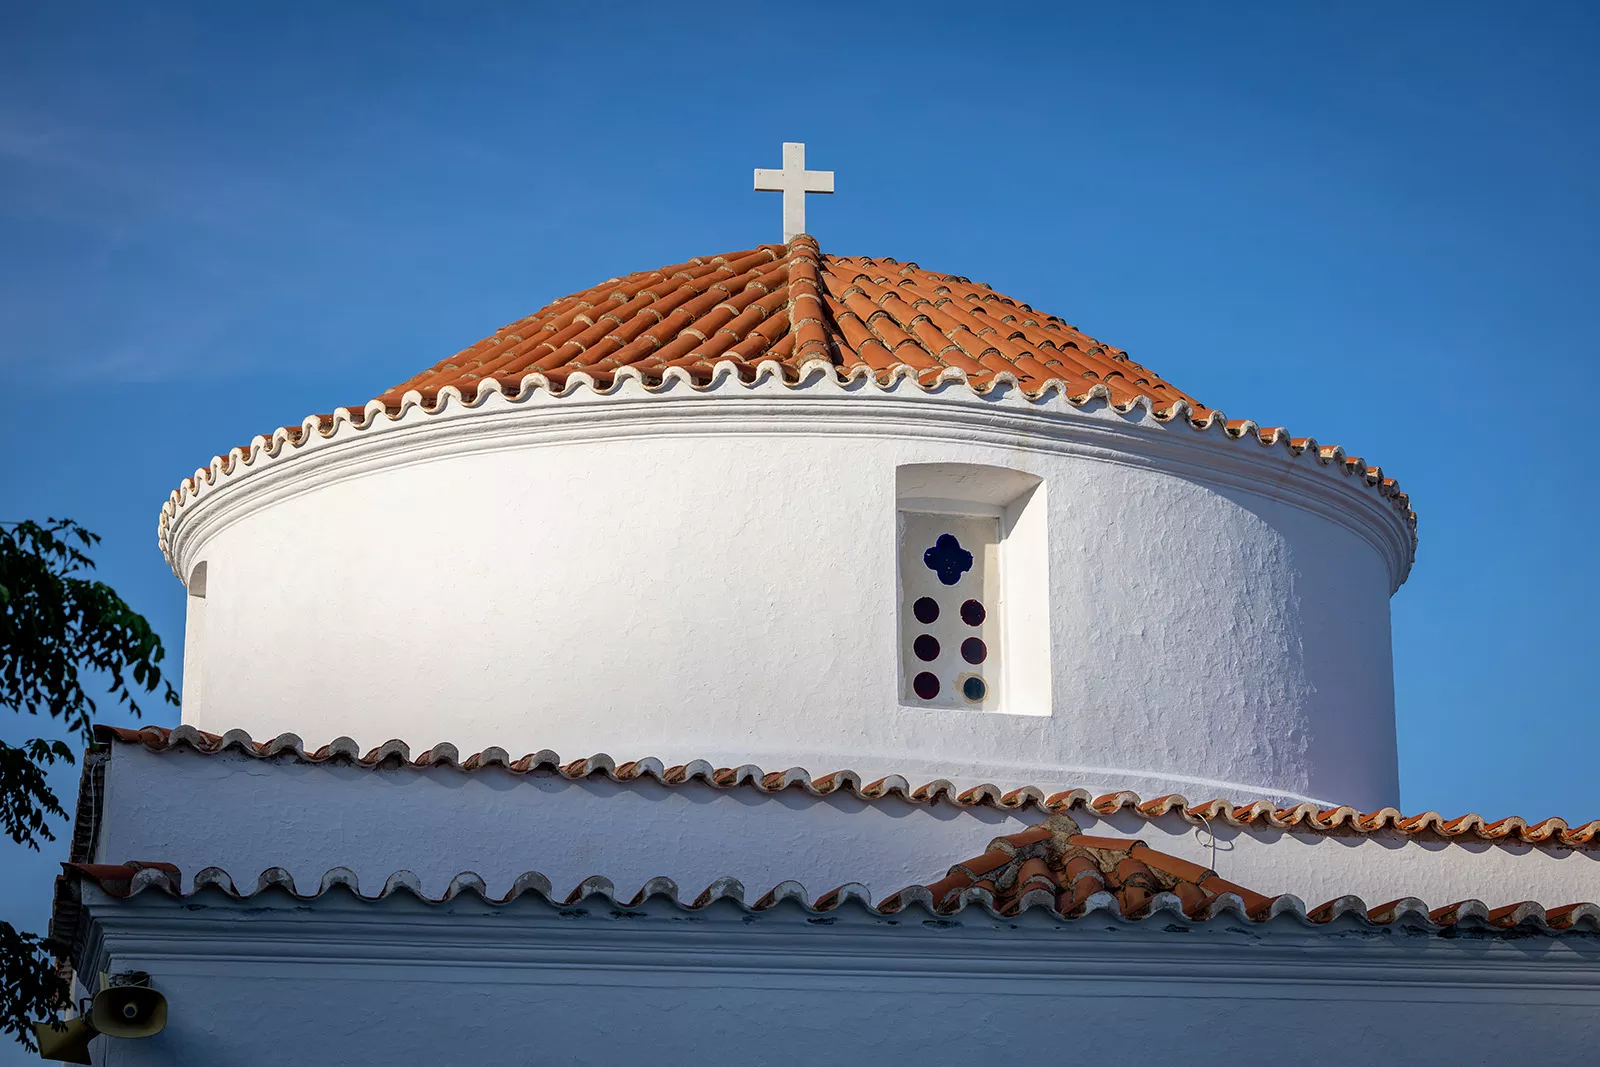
point(948, 559)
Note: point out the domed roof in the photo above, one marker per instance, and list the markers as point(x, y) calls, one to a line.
point(790, 305)
point(793, 304)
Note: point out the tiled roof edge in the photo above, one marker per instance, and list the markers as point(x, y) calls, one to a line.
point(1258, 814)
point(130, 879)
point(724, 373)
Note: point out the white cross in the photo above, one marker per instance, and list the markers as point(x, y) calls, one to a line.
point(794, 182)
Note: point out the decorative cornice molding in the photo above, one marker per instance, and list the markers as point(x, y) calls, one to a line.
point(792, 946)
point(819, 401)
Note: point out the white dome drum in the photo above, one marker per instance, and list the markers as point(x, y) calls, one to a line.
point(787, 509)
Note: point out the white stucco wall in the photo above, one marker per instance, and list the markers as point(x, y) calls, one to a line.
point(711, 575)
point(272, 981)
point(245, 815)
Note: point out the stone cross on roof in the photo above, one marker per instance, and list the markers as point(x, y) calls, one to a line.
point(794, 182)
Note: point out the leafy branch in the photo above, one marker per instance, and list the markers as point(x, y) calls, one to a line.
point(30, 988)
point(56, 623)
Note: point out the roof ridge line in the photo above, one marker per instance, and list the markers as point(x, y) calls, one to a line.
point(809, 323)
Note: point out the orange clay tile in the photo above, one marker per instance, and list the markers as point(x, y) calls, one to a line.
point(1055, 866)
point(1052, 866)
point(850, 310)
point(1059, 875)
point(1305, 818)
point(790, 305)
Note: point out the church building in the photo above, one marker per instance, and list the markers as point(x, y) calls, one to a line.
point(784, 655)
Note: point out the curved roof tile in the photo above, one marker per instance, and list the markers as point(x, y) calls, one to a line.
point(1260, 813)
point(789, 308)
point(793, 303)
point(1142, 891)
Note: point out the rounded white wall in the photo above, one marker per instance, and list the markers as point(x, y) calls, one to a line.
point(712, 575)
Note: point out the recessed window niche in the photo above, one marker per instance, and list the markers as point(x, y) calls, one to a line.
point(974, 588)
point(194, 639)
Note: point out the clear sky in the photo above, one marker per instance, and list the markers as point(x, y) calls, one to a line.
point(1373, 223)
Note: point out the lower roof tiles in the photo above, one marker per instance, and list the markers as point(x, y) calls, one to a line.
point(1259, 813)
point(1052, 867)
point(1142, 885)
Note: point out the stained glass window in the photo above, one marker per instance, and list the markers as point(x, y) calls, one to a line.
point(950, 615)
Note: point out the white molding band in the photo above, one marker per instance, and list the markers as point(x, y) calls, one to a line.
point(1051, 422)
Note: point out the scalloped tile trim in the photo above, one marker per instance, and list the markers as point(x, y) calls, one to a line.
point(127, 880)
point(786, 313)
point(285, 442)
point(1261, 813)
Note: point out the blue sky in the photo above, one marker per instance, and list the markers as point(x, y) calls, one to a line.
point(1375, 224)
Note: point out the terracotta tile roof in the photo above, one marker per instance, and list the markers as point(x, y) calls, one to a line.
point(1053, 867)
point(1261, 813)
point(1077, 878)
point(792, 304)
point(1056, 866)
point(790, 308)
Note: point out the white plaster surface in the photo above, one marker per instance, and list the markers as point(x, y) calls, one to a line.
point(711, 575)
point(244, 815)
point(271, 981)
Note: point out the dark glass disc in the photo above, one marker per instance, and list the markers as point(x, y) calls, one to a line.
point(972, 613)
point(926, 609)
point(926, 646)
point(974, 689)
point(973, 650)
point(925, 686)
point(948, 559)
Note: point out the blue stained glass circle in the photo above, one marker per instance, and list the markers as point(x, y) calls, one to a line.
point(974, 689)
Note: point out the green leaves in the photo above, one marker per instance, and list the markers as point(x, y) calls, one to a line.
point(25, 799)
point(30, 988)
point(55, 622)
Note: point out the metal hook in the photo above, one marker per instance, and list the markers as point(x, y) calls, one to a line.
point(1211, 834)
